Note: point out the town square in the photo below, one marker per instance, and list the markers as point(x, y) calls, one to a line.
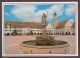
point(12, 43)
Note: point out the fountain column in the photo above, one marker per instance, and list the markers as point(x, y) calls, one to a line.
point(44, 25)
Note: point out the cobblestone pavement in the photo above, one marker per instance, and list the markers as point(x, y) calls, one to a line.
point(12, 43)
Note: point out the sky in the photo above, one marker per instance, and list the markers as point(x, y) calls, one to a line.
point(34, 12)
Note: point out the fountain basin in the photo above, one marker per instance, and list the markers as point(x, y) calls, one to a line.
point(37, 49)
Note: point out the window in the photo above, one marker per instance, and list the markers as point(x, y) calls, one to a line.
point(8, 23)
point(5, 30)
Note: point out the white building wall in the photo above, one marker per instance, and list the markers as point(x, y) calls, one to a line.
point(27, 30)
point(9, 29)
point(49, 28)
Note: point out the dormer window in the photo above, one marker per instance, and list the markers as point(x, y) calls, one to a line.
point(12, 25)
point(8, 23)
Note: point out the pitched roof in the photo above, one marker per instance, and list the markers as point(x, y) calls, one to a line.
point(62, 24)
point(73, 24)
point(24, 24)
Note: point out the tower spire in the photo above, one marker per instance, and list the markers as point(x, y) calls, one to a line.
point(55, 13)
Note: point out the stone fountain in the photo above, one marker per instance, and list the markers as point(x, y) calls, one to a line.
point(44, 44)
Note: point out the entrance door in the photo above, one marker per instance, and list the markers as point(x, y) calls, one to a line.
point(66, 33)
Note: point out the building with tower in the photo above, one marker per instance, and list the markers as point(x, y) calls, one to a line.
point(26, 28)
point(62, 28)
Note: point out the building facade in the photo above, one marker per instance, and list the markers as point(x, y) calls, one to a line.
point(27, 28)
point(73, 28)
point(62, 28)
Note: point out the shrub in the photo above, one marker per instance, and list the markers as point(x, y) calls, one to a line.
point(44, 40)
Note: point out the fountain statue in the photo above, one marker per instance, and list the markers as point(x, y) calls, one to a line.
point(44, 25)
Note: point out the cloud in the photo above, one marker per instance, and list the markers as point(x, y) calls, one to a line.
point(72, 20)
point(55, 8)
point(70, 10)
point(7, 14)
point(27, 12)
